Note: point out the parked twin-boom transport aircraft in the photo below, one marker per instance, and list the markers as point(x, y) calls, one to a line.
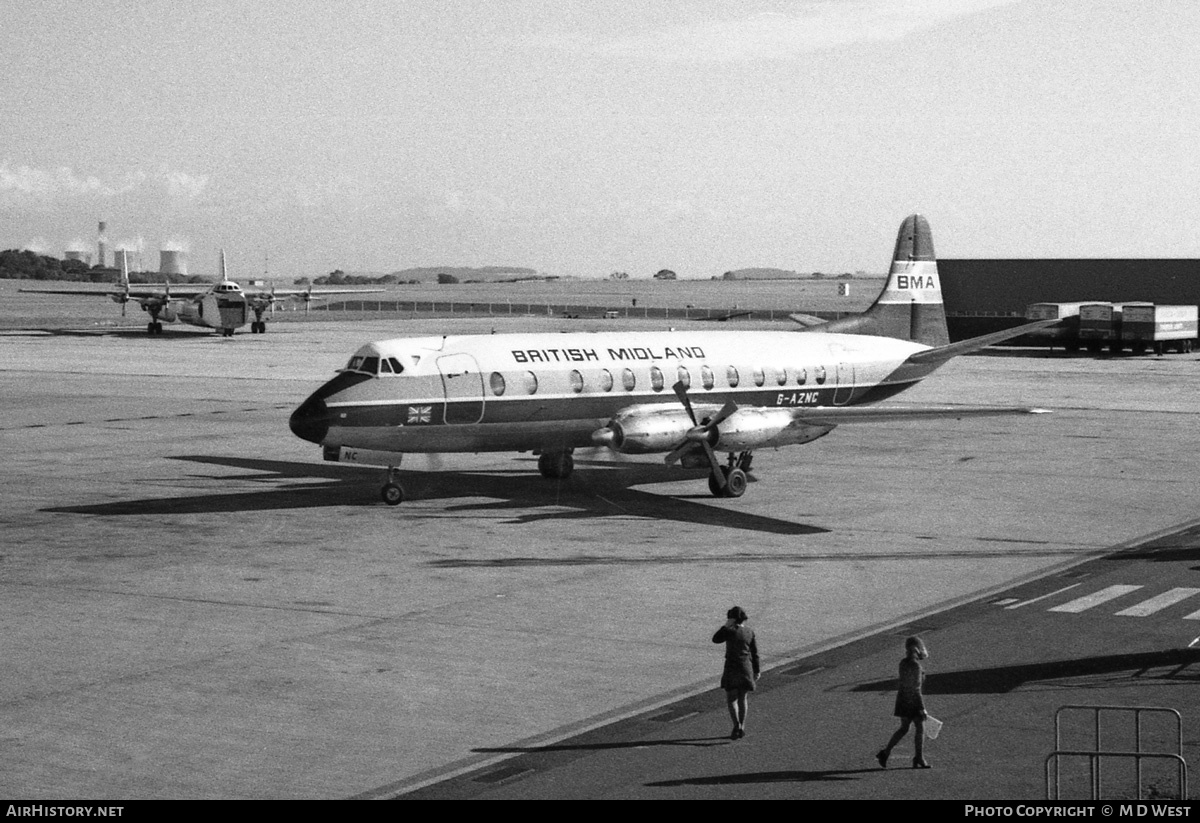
point(222, 306)
point(688, 394)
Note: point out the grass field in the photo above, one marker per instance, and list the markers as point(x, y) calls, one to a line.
point(25, 310)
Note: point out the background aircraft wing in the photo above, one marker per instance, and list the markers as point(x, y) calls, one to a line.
point(277, 293)
point(132, 293)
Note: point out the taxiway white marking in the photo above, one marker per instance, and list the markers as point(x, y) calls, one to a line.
point(1103, 596)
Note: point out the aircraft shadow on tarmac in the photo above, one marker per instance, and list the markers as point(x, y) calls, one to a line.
point(1170, 666)
point(701, 742)
point(604, 491)
point(795, 776)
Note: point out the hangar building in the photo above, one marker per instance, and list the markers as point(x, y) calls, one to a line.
point(982, 296)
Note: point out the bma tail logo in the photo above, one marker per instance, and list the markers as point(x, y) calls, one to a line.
point(916, 282)
point(420, 414)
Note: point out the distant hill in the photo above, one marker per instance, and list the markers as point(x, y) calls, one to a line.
point(780, 274)
point(466, 274)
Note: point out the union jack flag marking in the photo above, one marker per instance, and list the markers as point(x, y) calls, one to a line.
point(420, 414)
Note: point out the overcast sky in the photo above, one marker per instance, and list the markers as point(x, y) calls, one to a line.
point(582, 138)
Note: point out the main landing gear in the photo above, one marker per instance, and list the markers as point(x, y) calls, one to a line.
point(258, 325)
point(556, 465)
point(153, 327)
point(734, 476)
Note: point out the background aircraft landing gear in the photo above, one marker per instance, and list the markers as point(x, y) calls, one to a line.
point(556, 465)
point(392, 492)
point(153, 327)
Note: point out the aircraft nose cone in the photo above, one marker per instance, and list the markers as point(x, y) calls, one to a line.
point(310, 420)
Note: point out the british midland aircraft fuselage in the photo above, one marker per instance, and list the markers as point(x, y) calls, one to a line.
point(687, 394)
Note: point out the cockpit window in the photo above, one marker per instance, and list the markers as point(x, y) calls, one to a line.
point(370, 365)
point(397, 367)
point(385, 367)
point(355, 363)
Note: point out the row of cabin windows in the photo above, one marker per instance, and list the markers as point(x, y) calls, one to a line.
point(760, 375)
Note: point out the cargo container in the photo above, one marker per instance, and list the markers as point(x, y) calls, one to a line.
point(1100, 325)
point(1159, 327)
point(1065, 334)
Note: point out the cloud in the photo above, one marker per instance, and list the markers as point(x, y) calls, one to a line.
point(27, 184)
point(31, 183)
point(182, 185)
point(815, 25)
point(457, 204)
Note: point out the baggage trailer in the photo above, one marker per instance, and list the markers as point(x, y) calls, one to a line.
point(1100, 325)
point(1065, 333)
point(1159, 327)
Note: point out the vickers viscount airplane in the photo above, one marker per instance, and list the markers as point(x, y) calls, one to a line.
point(223, 306)
point(688, 394)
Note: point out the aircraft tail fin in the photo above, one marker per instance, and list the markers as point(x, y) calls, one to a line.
point(224, 275)
point(910, 305)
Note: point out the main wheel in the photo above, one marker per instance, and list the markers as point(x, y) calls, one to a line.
point(393, 494)
point(735, 483)
point(556, 465)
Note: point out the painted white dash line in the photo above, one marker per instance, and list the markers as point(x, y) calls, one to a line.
point(1043, 597)
point(1103, 596)
point(1158, 603)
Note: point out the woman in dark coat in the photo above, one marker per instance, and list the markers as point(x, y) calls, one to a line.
point(741, 666)
point(910, 703)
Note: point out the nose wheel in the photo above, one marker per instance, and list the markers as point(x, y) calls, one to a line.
point(392, 492)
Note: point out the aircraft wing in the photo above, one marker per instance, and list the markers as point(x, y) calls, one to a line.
point(839, 415)
point(132, 294)
point(306, 292)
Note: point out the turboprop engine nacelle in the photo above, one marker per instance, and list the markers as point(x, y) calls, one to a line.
point(645, 432)
point(167, 313)
point(747, 429)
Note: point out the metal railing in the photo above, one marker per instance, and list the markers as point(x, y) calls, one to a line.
point(1097, 755)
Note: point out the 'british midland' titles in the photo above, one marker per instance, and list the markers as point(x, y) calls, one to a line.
point(585, 355)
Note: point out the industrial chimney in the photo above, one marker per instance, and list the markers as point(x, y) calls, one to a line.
point(102, 245)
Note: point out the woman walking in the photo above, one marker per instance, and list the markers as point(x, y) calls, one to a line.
point(741, 666)
point(910, 703)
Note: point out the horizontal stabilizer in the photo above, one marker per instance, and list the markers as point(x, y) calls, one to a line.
point(806, 320)
point(937, 356)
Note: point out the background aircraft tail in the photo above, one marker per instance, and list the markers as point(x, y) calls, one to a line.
point(910, 306)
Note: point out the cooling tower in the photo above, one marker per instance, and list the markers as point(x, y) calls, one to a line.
point(75, 254)
point(172, 261)
point(126, 255)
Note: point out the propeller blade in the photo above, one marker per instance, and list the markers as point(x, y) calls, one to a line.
point(702, 433)
point(726, 410)
point(717, 473)
point(681, 392)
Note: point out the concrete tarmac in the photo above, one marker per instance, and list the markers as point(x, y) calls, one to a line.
point(195, 605)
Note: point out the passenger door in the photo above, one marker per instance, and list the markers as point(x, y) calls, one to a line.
point(463, 384)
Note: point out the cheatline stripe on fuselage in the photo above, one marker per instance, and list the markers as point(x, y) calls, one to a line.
point(391, 413)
